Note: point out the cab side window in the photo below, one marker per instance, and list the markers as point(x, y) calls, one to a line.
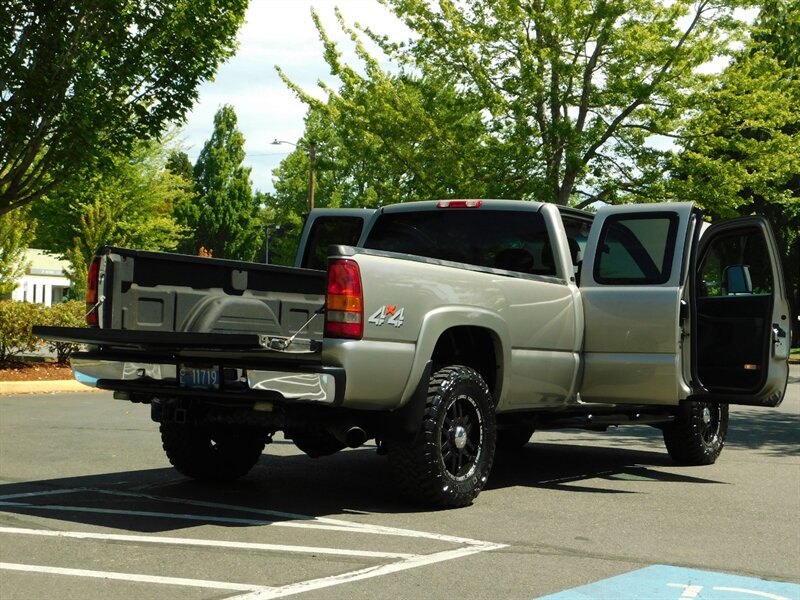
point(636, 249)
point(327, 231)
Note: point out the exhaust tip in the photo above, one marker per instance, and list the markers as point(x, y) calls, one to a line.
point(355, 437)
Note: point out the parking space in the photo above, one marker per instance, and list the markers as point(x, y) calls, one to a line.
point(306, 553)
point(89, 509)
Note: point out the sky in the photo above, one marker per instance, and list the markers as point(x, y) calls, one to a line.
point(277, 32)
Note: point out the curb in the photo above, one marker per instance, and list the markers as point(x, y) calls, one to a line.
point(43, 387)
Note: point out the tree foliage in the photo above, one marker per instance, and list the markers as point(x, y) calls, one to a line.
point(128, 203)
point(741, 151)
point(224, 218)
point(547, 100)
point(16, 328)
point(80, 79)
point(16, 232)
point(65, 314)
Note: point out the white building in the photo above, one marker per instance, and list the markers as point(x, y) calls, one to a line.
point(44, 281)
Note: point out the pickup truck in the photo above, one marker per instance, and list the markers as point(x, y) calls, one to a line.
point(445, 330)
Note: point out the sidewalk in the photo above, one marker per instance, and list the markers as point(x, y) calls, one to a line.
point(43, 387)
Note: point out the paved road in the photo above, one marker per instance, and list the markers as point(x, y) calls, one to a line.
point(89, 509)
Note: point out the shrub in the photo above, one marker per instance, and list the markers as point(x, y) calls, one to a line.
point(66, 314)
point(16, 321)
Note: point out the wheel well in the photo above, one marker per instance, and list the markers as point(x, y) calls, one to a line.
point(474, 347)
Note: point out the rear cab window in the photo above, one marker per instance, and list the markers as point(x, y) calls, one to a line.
point(497, 239)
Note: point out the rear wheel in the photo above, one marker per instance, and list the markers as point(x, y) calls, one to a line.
point(211, 454)
point(697, 435)
point(449, 462)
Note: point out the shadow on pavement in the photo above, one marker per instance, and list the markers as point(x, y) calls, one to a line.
point(158, 500)
point(568, 467)
point(776, 432)
point(360, 480)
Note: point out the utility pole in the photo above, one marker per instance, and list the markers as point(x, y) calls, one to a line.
point(312, 174)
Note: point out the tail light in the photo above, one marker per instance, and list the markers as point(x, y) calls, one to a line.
point(344, 306)
point(92, 294)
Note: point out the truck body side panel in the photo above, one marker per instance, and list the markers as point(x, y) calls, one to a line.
point(538, 357)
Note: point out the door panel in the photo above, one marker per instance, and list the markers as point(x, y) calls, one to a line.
point(741, 337)
point(631, 288)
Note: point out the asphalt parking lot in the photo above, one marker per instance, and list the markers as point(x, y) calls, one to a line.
point(90, 509)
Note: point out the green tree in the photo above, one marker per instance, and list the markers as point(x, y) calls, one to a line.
point(547, 100)
point(16, 324)
point(178, 163)
point(184, 209)
point(128, 203)
point(80, 79)
point(16, 233)
point(741, 152)
point(227, 211)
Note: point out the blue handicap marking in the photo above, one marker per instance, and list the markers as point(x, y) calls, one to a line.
point(661, 582)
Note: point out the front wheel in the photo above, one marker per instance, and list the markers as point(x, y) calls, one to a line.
point(211, 454)
point(449, 462)
point(697, 435)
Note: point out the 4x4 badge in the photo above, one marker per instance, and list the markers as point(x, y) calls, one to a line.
point(389, 314)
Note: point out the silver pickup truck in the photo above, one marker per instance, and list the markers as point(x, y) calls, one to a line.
point(444, 331)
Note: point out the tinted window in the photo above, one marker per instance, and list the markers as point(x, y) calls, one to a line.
point(736, 265)
point(327, 231)
point(636, 249)
point(512, 241)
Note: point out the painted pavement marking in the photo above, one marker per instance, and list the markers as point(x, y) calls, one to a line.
point(261, 517)
point(662, 582)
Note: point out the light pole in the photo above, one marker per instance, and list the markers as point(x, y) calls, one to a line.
point(311, 149)
point(266, 228)
point(266, 244)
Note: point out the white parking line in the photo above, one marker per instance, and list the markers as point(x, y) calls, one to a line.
point(264, 517)
point(135, 577)
point(325, 582)
point(145, 539)
point(270, 517)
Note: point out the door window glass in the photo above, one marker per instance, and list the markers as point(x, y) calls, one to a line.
point(636, 249)
point(736, 265)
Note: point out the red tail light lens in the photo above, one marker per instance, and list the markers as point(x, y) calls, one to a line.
point(92, 318)
point(344, 306)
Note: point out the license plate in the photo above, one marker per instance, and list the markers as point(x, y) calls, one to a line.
point(199, 378)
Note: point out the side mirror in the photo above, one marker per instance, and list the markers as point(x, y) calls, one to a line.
point(736, 280)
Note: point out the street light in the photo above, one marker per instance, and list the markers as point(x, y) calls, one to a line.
point(312, 169)
point(266, 228)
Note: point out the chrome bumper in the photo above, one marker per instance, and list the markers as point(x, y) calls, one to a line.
point(299, 386)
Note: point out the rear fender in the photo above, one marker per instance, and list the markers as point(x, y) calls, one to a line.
point(437, 322)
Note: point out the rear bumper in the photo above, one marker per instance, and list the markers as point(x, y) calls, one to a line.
point(242, 382)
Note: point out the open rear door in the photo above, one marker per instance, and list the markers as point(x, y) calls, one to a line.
point(740, 317)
